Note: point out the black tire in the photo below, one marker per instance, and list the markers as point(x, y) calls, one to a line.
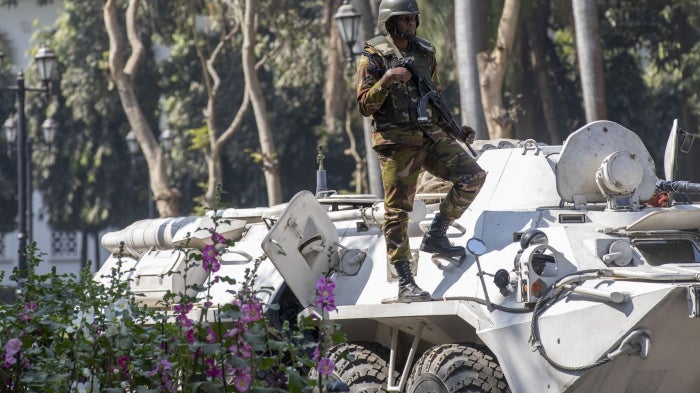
point(363, 366)
point(453, 368)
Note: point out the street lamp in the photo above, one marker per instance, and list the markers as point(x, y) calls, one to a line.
point(348, 22)
point(46, 61)
point(49, 127)
point(10, 128)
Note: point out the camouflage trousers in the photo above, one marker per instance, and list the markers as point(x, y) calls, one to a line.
point(401, 165)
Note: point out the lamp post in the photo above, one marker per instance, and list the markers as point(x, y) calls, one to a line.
point(348, 22)
point(46, 61)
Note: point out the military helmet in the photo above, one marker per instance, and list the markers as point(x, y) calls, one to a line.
point(389, 8)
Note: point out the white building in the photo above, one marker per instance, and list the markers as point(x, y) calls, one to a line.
point(59, 249)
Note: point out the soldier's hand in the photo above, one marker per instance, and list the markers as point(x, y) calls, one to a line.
point(470, 133)
point(395, 75)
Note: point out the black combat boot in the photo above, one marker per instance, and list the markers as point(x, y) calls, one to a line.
point(435, 240)
point(408, 290)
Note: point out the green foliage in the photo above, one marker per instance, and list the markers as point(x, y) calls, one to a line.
point(67, 333)
point(77, 176)
point(650, 51)
point(293, 35)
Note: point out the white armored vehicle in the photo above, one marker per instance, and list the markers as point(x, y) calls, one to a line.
point(583, 274)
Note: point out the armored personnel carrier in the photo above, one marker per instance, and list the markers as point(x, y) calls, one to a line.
point(583, 274)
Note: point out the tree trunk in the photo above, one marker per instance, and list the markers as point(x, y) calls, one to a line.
point(361, 182)
point(536, 25)
point(167, 199)
point(334, 91)
point(492, 69)
point(270, 164)
point(212, 82)
point(469, 20)
point(590, 59)
point(522, 87)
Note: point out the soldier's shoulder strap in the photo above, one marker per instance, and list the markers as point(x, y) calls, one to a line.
point(380, 45)
point(424, 45)
point(384, 47)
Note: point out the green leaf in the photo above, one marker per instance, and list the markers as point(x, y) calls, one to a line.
point(267, 362)
point(338, 337)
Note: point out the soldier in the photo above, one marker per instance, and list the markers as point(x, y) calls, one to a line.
point(386, 93)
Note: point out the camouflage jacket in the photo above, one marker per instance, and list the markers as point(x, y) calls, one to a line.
point(394, 111)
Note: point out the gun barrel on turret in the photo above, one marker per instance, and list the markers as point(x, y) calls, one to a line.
point(679, 186)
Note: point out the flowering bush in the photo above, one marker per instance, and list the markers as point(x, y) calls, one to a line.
point(73, 334)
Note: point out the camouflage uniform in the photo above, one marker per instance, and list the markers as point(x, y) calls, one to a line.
point(404, 146)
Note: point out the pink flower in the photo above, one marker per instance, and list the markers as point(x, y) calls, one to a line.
point(211, 336)
point(325, 296)
point(242, 380)
point(251, 312)
point(166, 364)
point(232, 333)
point(123, 363)
point(166, 382)
point(12, 348)
point(210, 261)
point(153, 372)
point(325, 366)
point(212, 370)
point(243, 349)
point(28, 309)
point(217, 238)
point(190, 336)
point(182, 310)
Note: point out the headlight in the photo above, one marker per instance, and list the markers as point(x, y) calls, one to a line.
point(533, 237)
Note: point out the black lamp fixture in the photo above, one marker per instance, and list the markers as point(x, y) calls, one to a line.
point(49, 127)
point(10, 128)
point(166, 138)
point(348, 22)
point(45, 61)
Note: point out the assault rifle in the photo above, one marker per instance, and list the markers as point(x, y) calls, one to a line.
point(429, 94)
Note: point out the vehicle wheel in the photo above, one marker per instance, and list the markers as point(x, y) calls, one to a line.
point(363, 366)
point(453, 368)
